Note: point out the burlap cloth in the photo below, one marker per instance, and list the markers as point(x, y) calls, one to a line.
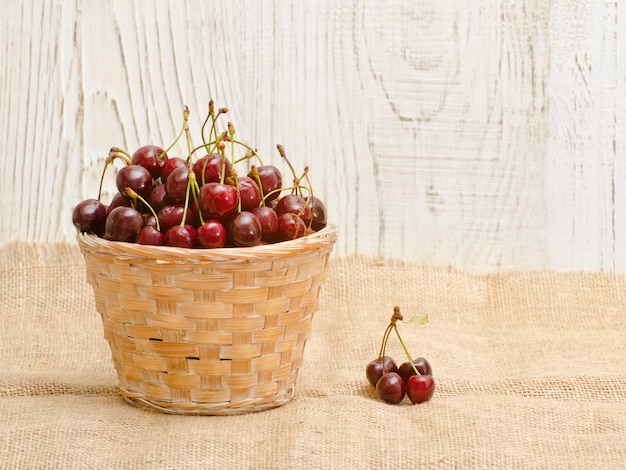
point(530, 370)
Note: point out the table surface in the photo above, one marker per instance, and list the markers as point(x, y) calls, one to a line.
point(529, 366)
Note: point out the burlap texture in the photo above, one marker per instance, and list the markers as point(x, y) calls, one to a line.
point(530, 370)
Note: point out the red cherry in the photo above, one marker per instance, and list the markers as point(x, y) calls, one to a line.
point(290, 227)
point(158, 197)
point(420, 388)
point(172, 215)
point(181, 236)
point(149, 235)
point(117, 201)
point(176, 184)
point(218, 200)
point(170, 165)
point(269, 222)
point(422, 365)
point(209, 169)
point(271, 181)
point(249, 193)
point(294, 204)
point(212, 234)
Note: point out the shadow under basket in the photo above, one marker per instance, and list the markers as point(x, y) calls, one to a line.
point(207, 331)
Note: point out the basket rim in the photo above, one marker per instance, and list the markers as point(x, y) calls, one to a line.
point(325, 237)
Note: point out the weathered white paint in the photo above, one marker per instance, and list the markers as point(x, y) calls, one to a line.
point(487, 135)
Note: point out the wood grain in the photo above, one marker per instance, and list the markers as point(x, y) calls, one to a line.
point(485, 135)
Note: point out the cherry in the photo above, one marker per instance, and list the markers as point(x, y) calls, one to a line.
point(422, 365)
point(249, 193)
point(123, 224)
point(294, 204)
point(172, 215)
point(271, 181)
point(212, 166)
point(118, 200)
point(149, 219)
point(420, 388)
point(318, 211)
point(176, 184)
point(375, 370)
point(148, 157)
point(391, 388)
point(290, 227)
point(158, 198)
point(245, 229)
point(135, 177)
point(269, 222)
point(90, 216)
point(212, 234)
point(149, 235)
point(218, 200)
point(170, 165)
point(181, 236)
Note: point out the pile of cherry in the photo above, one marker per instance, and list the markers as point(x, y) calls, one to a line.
point(412, 378)
point(202, 201)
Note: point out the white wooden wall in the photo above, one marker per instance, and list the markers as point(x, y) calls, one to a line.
point(482, 134)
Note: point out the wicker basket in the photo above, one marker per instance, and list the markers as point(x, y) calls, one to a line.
point(212, 332)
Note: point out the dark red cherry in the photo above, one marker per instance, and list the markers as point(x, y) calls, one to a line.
point(149, 235)
point(123, 224)
point(294, 204)
point(244, 229)
point(135, 177)
point(271, 181)
point(374, 370)
point(172, 215)
point(318, 211)
point(391, 388)
point(176, 184)
point(170, 165)
point(181, 236)
point(290, 227)
point(249, 193)
point(422, 365)
point(269, 222)
point(90, 216)
point(152, 158)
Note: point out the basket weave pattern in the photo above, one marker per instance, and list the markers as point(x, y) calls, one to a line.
point(207, 331)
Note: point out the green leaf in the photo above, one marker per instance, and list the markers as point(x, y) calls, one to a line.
point(418, 320)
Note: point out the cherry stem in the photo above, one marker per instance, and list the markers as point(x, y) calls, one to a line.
point(383, 346)
point(310, 198)
point(123, 152)
point(255, 175)
point(188, 139)
point(395, 327)
point(107, 162)
point(191, 178)
point(281, 151)
point(211, 116)
point(134, 196)
point(180, 134)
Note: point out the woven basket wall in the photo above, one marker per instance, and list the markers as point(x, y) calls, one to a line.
point(207, 331)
